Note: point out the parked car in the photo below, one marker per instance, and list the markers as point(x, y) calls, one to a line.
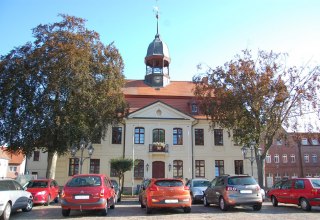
point(304, 192)
point(142, 188)
point(43, 191)
point(13, 197)
point(233, 190)
point(166, 193)
point(197, 186)
point(88, 192)
point(116, 190)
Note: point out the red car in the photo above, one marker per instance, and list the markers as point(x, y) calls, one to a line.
point(43, 191)
point(165, 193)
point(88, 192)
point(304, 192)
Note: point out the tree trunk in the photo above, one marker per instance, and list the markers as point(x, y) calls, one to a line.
point(260, 166)
point(52, 163)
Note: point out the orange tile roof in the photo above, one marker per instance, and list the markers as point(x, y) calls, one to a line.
point(175, 88)
point(14, 158)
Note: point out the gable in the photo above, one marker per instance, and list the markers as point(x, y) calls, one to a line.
point(159, 110)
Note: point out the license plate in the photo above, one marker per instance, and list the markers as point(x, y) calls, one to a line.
point(245, 191)
point(81, 197)
point(171, 201)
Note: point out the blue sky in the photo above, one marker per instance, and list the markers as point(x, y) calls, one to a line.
point(203, 31)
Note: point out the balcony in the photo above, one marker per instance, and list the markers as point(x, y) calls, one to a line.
point(158, 147)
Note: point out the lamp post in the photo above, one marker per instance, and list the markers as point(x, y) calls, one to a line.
point(252, 156)
point(82, 145)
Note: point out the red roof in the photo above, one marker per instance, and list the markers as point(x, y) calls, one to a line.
point(14, 158)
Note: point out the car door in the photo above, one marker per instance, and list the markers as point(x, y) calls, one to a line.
point(17, 195)
point(297, 191)
point(210, 191)
point(54, 189)
point(285, 191)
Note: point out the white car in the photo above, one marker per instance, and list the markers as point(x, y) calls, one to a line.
point(13, 197)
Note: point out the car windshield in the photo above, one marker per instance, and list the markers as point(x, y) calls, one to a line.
point(315, 183)
point(243, 180)
point(84, 181)
point(201, 183)
point(169, 183)
point(37, 184)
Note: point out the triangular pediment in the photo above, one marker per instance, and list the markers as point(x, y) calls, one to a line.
point(160, 110)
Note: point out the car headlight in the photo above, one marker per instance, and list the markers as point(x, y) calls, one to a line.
point(41, 193)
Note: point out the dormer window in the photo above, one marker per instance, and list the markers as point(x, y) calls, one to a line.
point(304, 141)
point(315, 142)
point(279, 141)
point(194, 108)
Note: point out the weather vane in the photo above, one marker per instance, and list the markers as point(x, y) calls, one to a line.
point(156, 11)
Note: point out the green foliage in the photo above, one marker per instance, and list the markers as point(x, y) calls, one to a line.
point(121, 165)
point(64, 86)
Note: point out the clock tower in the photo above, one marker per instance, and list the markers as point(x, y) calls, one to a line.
point(157, 61)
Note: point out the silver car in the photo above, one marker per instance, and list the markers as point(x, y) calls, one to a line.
point(13, 197)
point(197, 186)
point(227, 191)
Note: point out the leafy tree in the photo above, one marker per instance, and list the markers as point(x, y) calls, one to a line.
point(63, 87)
point(257, 97)
point(120, 166)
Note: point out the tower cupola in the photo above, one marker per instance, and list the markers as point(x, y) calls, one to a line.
point(157, 61)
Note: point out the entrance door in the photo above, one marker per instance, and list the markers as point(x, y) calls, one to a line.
point(158, 169)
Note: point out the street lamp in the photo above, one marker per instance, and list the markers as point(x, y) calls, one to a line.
point(252, 156)
point(82, 145)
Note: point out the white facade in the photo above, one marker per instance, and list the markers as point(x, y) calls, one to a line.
point(37, 164)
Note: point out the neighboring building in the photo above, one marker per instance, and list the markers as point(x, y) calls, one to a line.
point(16, 163)
point(164, 132)
point(37, 164)
point(4, 164)
point(293, 155)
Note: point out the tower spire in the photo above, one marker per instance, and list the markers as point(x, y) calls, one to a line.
point(156, 11)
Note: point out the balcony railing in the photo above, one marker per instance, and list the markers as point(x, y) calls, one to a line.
point(159, 148)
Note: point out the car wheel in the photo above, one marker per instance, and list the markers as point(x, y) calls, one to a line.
point(305, 205)
point(257, 207)
point(274, 201)
point(113, 203)
point(222, 204)
point(192, 199)
point(48, 200)
point(148, 210)
point(187, 209)
point(104, 211)
point(65, 212)
point(29, 206)
point(205, 201)
point(6, 212)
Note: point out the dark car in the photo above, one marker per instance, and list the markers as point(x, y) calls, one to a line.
point(233, 190)
point(88, 192)
point(43, 191)
point(165, 193)
point(13, 197)
point(304, 192)
point(116, 190)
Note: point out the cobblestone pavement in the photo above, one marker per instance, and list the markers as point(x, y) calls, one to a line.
point(129, 209)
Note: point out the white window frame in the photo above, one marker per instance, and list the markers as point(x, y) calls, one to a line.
point(276, 158)
point(268, 158)
point(284, 158)
point(293, 158)
point(306, 158)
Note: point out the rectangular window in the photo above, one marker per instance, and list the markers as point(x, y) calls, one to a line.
point(306, 158)
point(293, 158)
point(13, 168)
point(315, 142)
point(139, 169)
point(218, 137)
point(304, 141)
point(113, 172)
point(279, 141)
point(276, 158)
point(314, 158)
point(139, 135)
point(284, 158)
point(94, 166)
point(268, 158)
point(219, 167)
point(238, 166)
point(200, 168)
point(177, 169)
point(199, 138)
point(177, 136)
point(36, 155)
point(73, 166)
point(194, 108)
point(158, 135)
point(116, 135)
point(236, 136)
